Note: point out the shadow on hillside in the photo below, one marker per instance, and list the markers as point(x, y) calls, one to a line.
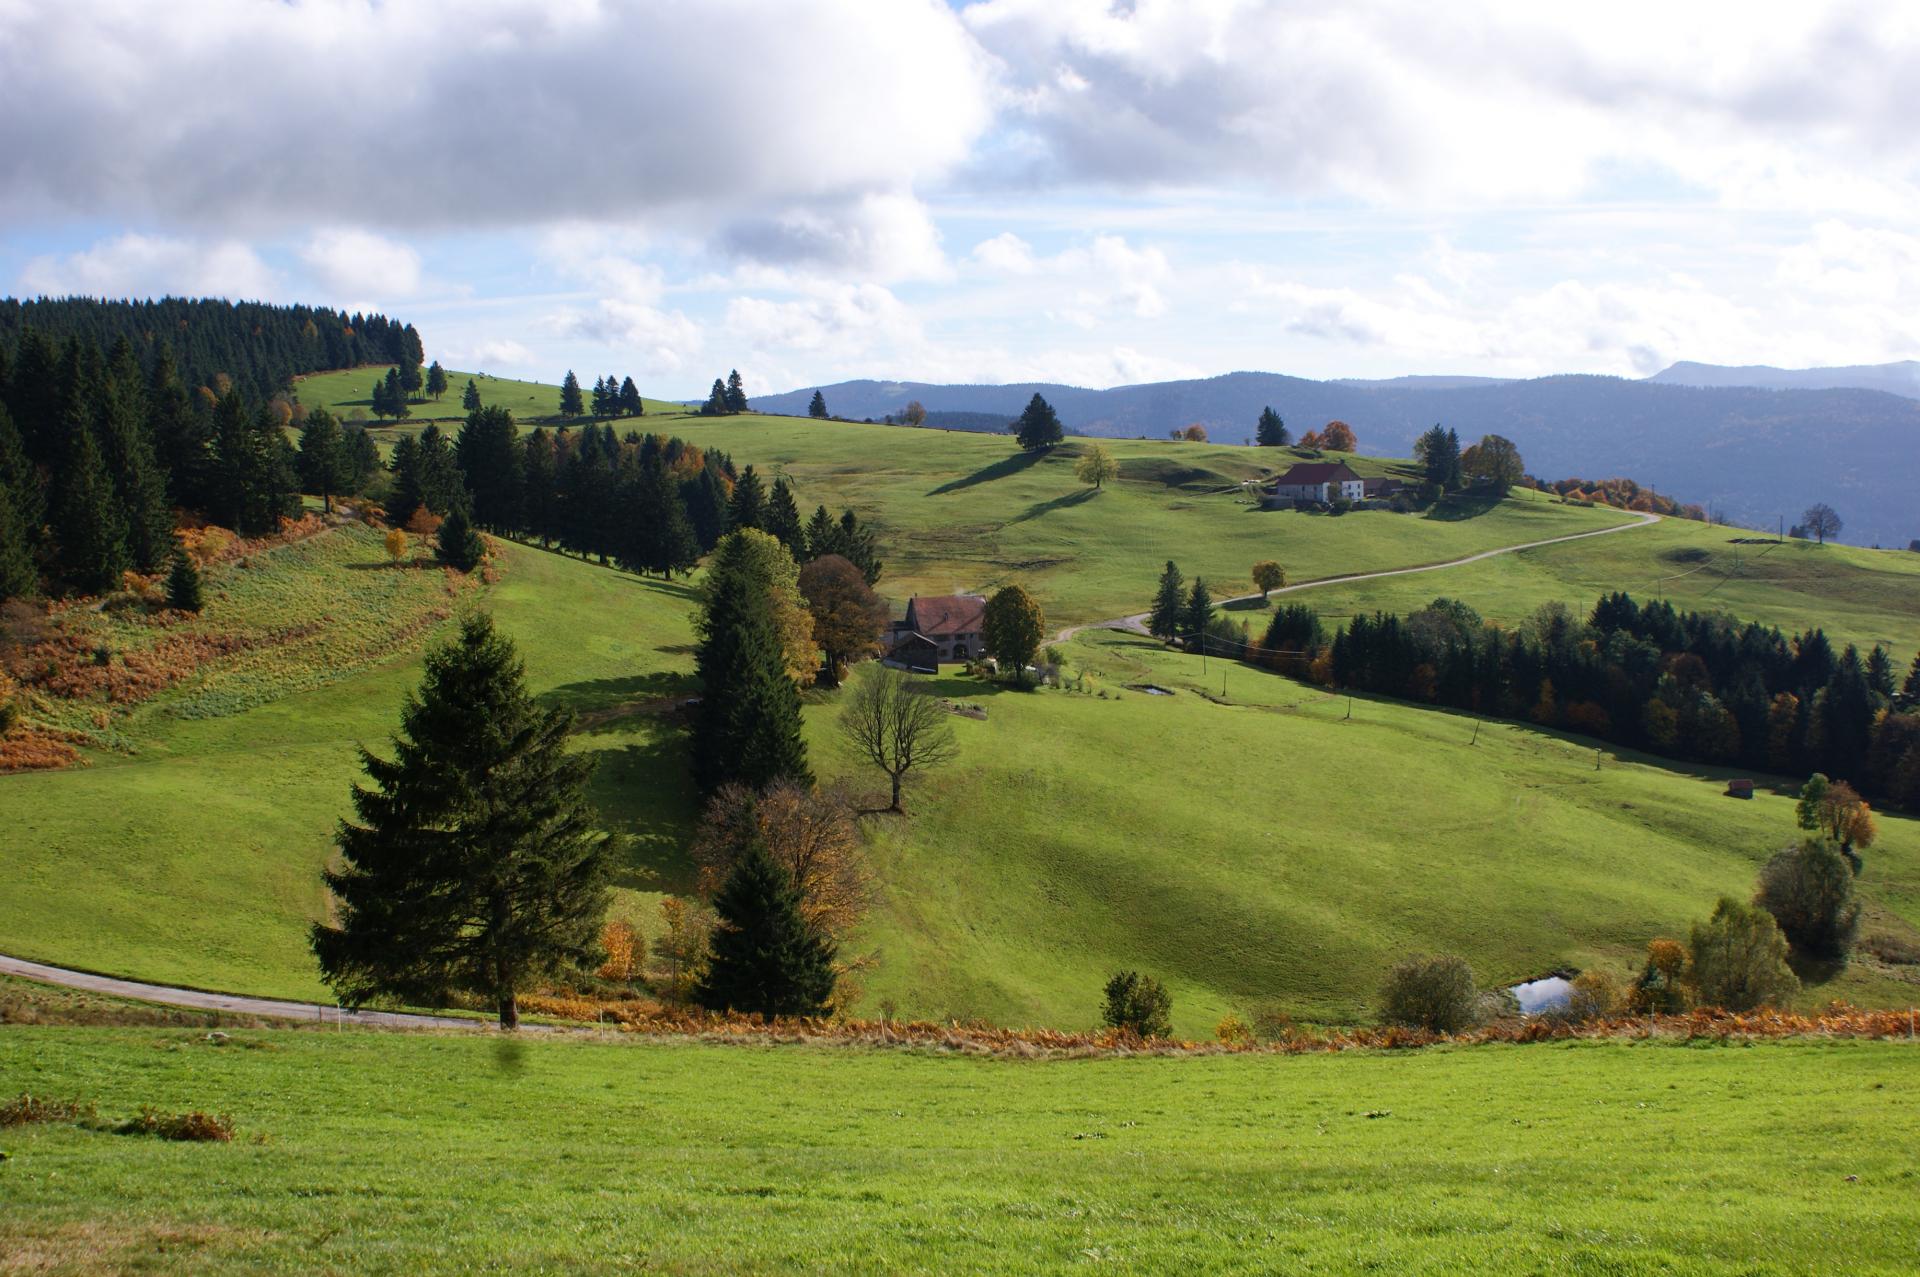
point(1255, 604)
point(603, 695)
point(644, 795)
point(1000, 469)
point(1462, 506)
point(1064, 502)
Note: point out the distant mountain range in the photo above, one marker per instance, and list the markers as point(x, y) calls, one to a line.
point(1755, 454)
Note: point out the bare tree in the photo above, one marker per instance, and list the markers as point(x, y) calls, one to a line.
point(1821, 520)
point(896, 726)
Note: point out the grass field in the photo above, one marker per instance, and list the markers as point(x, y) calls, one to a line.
point(342, 393)
point(388, 1153)
point(191, 854)
point(1273, 849)
point(1857, 595)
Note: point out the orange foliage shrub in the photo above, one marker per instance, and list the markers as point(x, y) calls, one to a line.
point(626, 951)
point(396, 541)
point(424, 522)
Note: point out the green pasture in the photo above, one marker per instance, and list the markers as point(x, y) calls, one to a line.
point(379, 1153)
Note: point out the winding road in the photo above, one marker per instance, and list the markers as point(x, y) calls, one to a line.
point(198, 999)
point(1138, 621)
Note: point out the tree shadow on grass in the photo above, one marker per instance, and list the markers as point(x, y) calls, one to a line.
point(1255, 604)
point(1005, 467)
point(645, 797)
point(601, 697)
point(1064, 502)
point(1462, 506)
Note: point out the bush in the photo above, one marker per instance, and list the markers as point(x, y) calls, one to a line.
point(189, 1126)
point(1138, 1004)
point(1740, 958)
point(1662, 986)
point(1596, 995)
point(26, 1109)
point(1809, 891)
point(1271, 1023)
point(1431, 991)
point(1233, 1031)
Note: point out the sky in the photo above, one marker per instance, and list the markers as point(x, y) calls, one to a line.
point(1004, 190)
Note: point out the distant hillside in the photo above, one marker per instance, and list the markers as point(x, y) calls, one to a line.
point(1902, 378)
point(1752, 455)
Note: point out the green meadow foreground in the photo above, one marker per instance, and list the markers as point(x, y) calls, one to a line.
point(386, 1153)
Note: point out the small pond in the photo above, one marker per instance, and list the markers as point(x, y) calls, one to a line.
point(1547, 994)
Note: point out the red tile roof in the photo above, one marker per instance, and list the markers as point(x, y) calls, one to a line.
point(1318, 472)
point(940, 615)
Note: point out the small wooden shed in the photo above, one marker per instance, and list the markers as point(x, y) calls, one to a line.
point(1740, 789)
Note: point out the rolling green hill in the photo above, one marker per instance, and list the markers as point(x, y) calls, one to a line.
point(374, 1153)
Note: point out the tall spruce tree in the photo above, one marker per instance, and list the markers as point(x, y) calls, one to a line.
point(857, 545)
point(767, 960)
point(182, 435)
point(1038, 426)
point(1910, 690)
point(1163, 622)
point(127, 449)
point(412, 353)
point(736, 392)
point(747, 728)
point(783, 519)
point(539, 480)
point(183, 584)
point(749, 506)
point(36, 397)
point(706, 502)
point(631, 404)
point(716, 404)
point(89, 533)
point(474, 866)
point(470, 397)
point(1197, 613)
point(599, 400)
point(1271, 432)
point(395, 389)
point(817, 406)
point(18, 575)
point(436, 380)
point(488, 453)
point(822, 534)
point(324, 464)
point(21, 482)
point(456, 544)
point(571, 403)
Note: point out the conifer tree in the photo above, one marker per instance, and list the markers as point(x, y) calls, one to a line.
point(457, 544)
point(706, 503)
point(736, 392)
point(436, 380)
point(571, 404)
point(767, 960)
point(749, 508)
point(539, 482)
point(89, 534)
point(857, 545)
point(599, 400)
point(470, 397)
point(412, 354)
point(817, 408)
point(18, 576)
point(183, 584)
point(1197, 613)
point(631, 404)
point(1163, 622)
point(404, 465)
point(1910, 690)
point(1880, 672)
point(716, 404)
point(1039, 426)
point(21, 482)
point(474, 865)
point(396, 394)
point(489, 456)
point(324, 464)
point(783, 519)
point(1271, 432)
point(442, 486)
point(748, 725)
point(128, 452)
point(659, 538)
point(822, 535)
point(182, 435)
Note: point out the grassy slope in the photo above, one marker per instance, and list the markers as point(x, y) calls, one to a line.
point(1271, 849)
point(381, 1153)
point(1856, 595)
point(195, 859)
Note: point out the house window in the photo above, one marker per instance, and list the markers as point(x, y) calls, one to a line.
point(960, 652)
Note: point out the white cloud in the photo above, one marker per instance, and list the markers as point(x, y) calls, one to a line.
point(662, 341)
point(354, 263)
point(844, 317)
point(487, 354)
point(488, 112)
point(135, 265)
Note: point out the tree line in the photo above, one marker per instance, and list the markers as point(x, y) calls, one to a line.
point(1693, 685)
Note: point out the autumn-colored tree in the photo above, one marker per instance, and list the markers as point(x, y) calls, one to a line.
point(848, 617)
point(1842, 815)
point(808, 832)
point(1012, 628)
point(1096, 466)
point(1337, 436)
point(1195, 433)
point(424, 523)
point(763, 559)
point(896, 725)
point(1663, 987)
point(1312, 441)
point(396, 544)
point(626, 951)
point(1494, 461)
point(915, 413)
point(681, 947)
point(1269, 576)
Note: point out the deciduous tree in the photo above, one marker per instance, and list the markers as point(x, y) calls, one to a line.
point(1012, 628)
point(1337, 436)
point(897, 725)
point(1269, 576)
point(1494, 461)
point(848, 617)
point(1096, 466)
point(809, 832)
point(1821, 520)
point(1137, 1004)
point(1809, 891)
point(1739, 959)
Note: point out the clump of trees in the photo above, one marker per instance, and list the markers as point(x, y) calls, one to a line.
point(727, 398)
point(472, 865)
point(1622, 494)
point(614, 397)
point(1335, 436)
point(1808, 888)
point(1137, 1004)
